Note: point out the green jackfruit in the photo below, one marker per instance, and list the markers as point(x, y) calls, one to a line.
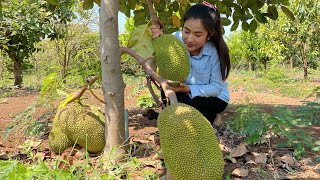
point(189, 144)
point(80, 126)
point(83, 127)
point(58, 141)
point(171, 58)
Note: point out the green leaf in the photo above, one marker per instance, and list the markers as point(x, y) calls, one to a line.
point(253, 25)
point(287, 12)
point(285, 2)
point(53, 2)
point(246, 17)
point(272, 12)
point(245, 2)
point(5, 47)
point(316, 149)
point(141, 41)
point(87, 4)
point(245, 26)
point(234, 25)
point(175, 6)
point(238, 13)
point(225, 21)
point(261, 18)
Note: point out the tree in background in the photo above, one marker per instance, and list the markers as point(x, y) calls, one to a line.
point(284, 42)
point(78, 46)
point(304, 31)
point(25, 23)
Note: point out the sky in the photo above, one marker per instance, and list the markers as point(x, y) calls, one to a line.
point(121, 22)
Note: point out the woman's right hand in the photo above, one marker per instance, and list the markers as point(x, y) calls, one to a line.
point(156, 31)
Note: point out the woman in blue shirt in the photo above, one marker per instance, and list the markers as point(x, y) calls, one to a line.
point(205, 87)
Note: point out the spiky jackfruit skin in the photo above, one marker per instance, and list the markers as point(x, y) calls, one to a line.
point(58, 141)
point(189, 144)
point(171, 58)
point(83, 127)
point(79, 125)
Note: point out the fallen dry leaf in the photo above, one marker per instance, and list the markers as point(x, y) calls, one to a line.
point(80, 154)
point(250, 162)
point(66, 163)
point(157, 164)
point(287, 158)
point(49, 154)
point(224, 148)
point(238, 151)
point(4, 156)
point(259, 158)
point(39, 156)
point(240, 172)
point(233, 160)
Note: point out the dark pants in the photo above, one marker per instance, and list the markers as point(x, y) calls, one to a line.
point(209, 107)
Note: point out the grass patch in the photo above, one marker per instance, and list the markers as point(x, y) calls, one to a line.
point(288, 84)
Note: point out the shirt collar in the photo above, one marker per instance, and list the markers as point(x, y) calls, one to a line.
point(206, 50)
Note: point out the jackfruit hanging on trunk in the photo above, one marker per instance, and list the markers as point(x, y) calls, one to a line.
point(171, 58)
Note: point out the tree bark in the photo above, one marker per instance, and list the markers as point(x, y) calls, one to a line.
point(291, 62)
point(112, 81)
point(1, 65)
point(17, 72)
point(305, 62)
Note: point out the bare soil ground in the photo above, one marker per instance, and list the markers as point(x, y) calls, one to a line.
point(143, 134)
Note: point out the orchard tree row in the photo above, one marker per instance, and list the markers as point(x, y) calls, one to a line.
point(282, 42)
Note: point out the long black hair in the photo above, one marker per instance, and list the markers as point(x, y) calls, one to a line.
point(210, 18)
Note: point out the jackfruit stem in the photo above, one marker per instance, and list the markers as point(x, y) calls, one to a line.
point(76, 95)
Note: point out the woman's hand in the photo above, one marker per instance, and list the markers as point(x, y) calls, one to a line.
point(156, 31)
point(182, 88)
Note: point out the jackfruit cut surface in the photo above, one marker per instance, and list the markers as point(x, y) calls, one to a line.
point(83, 127)
point(171, 58)
point(189, 145)
point(58, 141)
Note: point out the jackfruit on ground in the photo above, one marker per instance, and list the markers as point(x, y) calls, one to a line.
point(189, 144)
point(83, 127)
point(79, 125)
point(171, 58)
point(58, 141)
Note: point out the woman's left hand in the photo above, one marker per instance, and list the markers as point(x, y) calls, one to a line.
point(182, 88)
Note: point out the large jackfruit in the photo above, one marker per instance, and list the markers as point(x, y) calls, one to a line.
point(171, 58)
point(81, 126)
point(189, 144)
point(58, 141)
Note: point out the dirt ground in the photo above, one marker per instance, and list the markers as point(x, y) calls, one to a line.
point(143, 132)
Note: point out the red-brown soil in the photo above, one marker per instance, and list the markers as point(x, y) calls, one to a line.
point(143, 131)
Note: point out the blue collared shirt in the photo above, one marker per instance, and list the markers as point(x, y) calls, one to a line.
point(205, 78)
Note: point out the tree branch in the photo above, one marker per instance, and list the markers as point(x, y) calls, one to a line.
point(154, 18)
point(163, 82)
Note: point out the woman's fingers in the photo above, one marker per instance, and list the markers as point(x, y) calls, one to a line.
point(156, 31)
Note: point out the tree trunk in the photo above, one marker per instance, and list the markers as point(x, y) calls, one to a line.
point(17, 72)
point(112, 81)
point(291, 62)
point(305, 62)
point(249, 65)
point(1, 65)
